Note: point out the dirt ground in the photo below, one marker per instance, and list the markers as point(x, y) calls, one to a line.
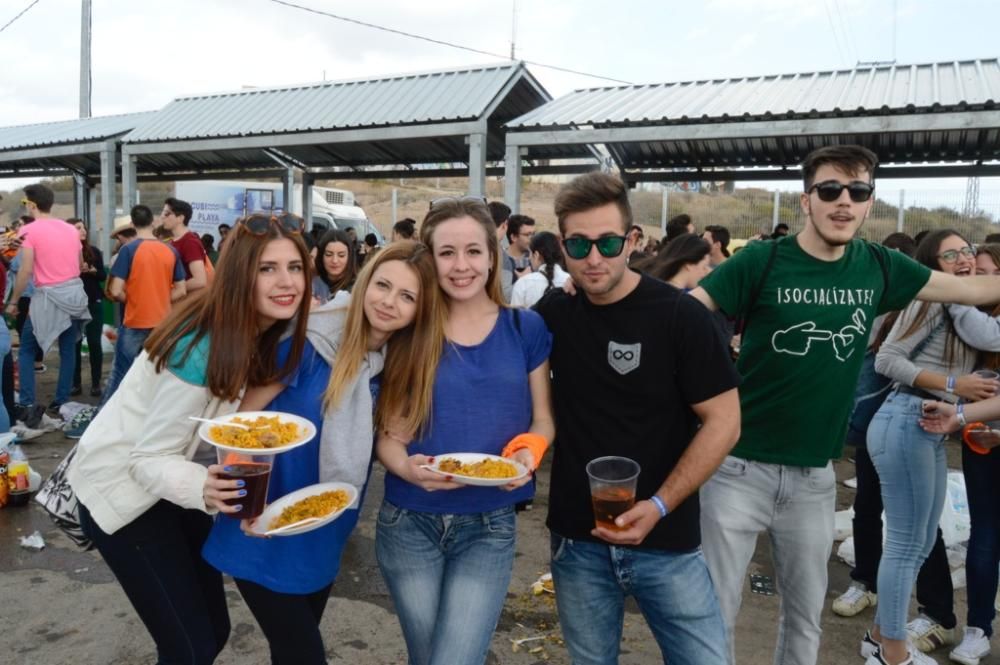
point(62, 606)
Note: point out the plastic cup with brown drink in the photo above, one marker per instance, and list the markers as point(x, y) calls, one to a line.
point(255, 472)
point(612, 488)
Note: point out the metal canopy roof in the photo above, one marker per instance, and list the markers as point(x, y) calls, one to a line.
point(400, 120)
point(65, 146)
point(939, 112)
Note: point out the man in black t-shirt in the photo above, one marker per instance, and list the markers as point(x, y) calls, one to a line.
point(637, 366)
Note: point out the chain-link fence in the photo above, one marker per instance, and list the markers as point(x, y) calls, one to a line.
point(747, 212)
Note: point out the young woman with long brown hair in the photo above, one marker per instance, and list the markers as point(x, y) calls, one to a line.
point(447, 556)
point(144, 497)
point(394, 314)
point(93, 274)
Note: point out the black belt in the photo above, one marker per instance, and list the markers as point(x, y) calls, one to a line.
point(918, 392)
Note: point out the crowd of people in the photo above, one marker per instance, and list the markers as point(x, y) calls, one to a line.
point(472, 332)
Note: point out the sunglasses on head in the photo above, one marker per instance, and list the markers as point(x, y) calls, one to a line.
point(830, 190)
point(259, 224)
point(457, 199)
point(951, 255)
point(609, 247)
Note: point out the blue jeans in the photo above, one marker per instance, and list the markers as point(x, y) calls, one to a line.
point(913, 474)
point(982, 473)
point(448, 576)
point(673, 589)
point(179, 597)
point(67, 362)
point(127, 349)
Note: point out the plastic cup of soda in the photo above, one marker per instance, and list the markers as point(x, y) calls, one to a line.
point(612, 488)
point(255, 472)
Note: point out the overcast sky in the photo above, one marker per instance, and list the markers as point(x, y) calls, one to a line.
point(147, 52)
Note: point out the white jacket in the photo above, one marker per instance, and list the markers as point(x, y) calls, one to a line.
point(529, 289)
point(138, 448)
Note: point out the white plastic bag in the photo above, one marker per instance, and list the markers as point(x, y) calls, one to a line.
point(955, 520)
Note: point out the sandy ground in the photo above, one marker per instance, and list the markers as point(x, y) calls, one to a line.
point(62, 606)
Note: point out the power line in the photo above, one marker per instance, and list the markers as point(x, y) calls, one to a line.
point(833, 30)
point(846, 30)
point(23, 12)
point(439, 42)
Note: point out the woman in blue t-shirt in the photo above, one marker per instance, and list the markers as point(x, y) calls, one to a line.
point(447, 556)
point(286, 581)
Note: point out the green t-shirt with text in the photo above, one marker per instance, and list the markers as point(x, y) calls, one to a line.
point(802, 349)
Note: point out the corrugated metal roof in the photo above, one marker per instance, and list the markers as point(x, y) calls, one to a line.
point(440, 96)
point(68, 132)
point(867, 90)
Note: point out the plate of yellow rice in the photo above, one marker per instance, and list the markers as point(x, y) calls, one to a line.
point(323, 501)
point(478, 469)
point(270, 433)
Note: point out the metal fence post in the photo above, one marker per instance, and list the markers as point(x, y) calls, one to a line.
point(394, 203)
point(777, 209)
point(664, 204)
point(900, 214)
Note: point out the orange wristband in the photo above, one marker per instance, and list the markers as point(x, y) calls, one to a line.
point(536, 443)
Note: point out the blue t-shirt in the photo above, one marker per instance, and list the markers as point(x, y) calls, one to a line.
point(482, 400)
point(298, 564)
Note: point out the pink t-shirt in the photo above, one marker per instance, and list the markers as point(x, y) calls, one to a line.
point(57, 250)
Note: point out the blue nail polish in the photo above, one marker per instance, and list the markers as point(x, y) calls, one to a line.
point(227, 468)
point(238, 509)
point(241, 483)
point(242, 493)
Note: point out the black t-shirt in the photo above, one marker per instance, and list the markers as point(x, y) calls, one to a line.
point(624, 376)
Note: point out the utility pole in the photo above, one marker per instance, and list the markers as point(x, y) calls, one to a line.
point(85, 82)
point(513, 30)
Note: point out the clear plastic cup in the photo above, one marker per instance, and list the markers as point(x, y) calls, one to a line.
point(612, 488)
point(255, 472)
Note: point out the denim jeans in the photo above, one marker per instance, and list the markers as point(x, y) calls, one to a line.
point(935, 592)
point(913, 473)
point(67, 362)
point(448, 576)
point(795, 506)
point(673, 590)
point(982, 483)
point(127, 349)
point(179, 597)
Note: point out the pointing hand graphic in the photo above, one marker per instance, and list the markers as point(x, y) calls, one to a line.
point(797, 339)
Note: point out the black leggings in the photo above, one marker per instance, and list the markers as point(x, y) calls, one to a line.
point(289, 621)
point(92, 331)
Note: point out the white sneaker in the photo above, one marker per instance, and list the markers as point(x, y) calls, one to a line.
point(928, 635)
point(975, 645)
point(854, 600)
point(916, 658)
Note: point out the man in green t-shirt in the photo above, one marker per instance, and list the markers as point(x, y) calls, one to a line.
point(808, 301)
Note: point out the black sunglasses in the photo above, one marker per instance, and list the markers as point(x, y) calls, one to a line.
point(259, 224)
point(607, 246)
point(830, 190)
point(457, 199)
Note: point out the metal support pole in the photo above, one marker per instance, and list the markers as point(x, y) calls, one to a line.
point(80, 198)
point(777, 210)
point(106, 221)
point(288, 189)
point(395, 205)
point(307, 200)
point(85, 80)
point(129, 165)
point(900, 214)
point(477, 164)
point(92, 209)
point(664, 205)
point(512, 177)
